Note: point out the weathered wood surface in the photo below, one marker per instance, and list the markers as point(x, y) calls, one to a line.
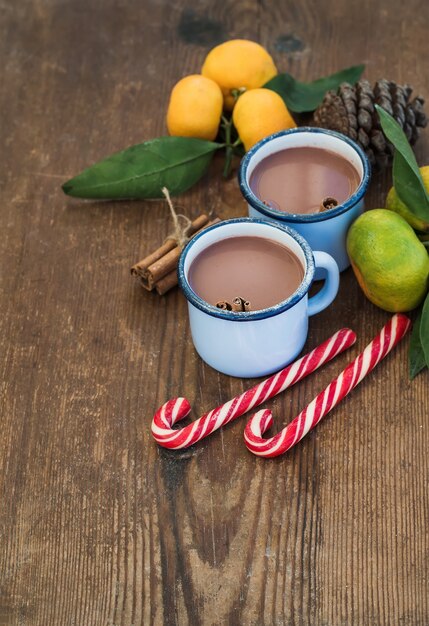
point(98, 526)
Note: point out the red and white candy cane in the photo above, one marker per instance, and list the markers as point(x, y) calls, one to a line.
point(381, 345)
point(178, 408)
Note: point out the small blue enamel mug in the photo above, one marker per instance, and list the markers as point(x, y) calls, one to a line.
point(326, 230)
point(256, 343)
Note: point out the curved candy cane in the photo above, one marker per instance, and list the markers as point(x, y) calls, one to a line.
point(381, 345)
point(176, 409)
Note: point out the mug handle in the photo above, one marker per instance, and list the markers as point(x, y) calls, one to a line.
point(330, 289)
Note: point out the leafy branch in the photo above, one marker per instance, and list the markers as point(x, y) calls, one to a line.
point(410, 187)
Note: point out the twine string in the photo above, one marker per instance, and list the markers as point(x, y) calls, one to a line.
point(181, 223)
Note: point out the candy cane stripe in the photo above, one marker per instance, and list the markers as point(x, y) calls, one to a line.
point(382, 344)
point(175, 410)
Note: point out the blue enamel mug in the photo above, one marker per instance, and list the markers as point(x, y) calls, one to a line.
point(326, 230)
point(260, 342)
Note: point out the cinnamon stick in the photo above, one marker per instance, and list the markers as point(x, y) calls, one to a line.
point(166, 283)
point(139, 268)
point(237, 304)
point(167, 264)
point(161, 272)
point(328, 203)
point(240, 304)
point(223, 305)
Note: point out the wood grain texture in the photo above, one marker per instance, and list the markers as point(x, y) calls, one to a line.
point(99, 526)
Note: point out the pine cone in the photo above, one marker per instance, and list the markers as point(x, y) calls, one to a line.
point(351, 111)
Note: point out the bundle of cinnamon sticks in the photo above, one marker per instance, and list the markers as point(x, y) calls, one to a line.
point(159, 270)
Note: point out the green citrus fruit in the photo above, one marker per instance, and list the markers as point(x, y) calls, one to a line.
point(390, 263)
point(395, 204)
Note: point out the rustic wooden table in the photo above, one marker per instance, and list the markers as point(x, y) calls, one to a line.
point(99, 526)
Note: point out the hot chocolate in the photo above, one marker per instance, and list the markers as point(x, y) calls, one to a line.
point(298, 180)
point(257, 269)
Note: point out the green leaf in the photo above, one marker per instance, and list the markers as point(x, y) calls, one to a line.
point(416, 357)
point(300, 97)
point(407, 179)
point(424, 329)
point(141, 171)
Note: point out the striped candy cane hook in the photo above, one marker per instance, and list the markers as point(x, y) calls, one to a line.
point(382, 344)
point(176, 409)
